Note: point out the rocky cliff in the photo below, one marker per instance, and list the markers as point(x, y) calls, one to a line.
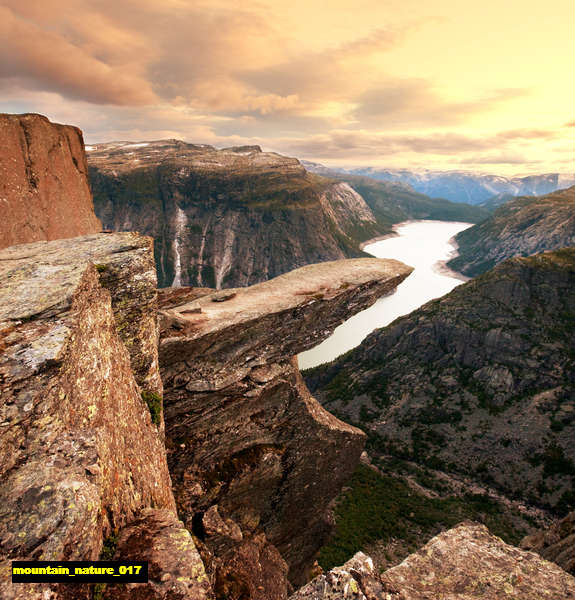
point(224, 218)
point(43, 181)
point(81, 427)
point(464, 563)
point(479, 383)
point(520, 227)
point(255, 461)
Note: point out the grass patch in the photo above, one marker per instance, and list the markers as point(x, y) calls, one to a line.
point(154, 402)
point(375, 507)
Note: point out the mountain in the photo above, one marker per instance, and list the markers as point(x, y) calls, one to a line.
point(223, 218)
point(472, 188)
point(520, 227)
point(479, 383)
point(394, 201)
point(43, 181)
point(238, 216)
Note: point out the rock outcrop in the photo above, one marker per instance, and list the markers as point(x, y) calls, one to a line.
point(520, 227)
point(468, 563)
point(464, 563)
point(44, 185)
point(557, 543)
point(225, 218)
point(356, 580)
point(479, 383)
point(81, 445)
point(255, 461)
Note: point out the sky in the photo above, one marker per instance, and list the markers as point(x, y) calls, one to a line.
point(440, 84)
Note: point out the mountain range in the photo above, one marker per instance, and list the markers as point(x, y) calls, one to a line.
point(461, 186)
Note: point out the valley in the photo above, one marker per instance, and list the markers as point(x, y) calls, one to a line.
point(425, 245)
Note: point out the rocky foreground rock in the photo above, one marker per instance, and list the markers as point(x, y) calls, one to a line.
point(81, 451)
point(464, 563)
point(255, 460)
point(83, 465)
point(44, 190)
point(557, 543)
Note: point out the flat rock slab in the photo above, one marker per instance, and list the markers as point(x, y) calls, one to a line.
point(304, 286)
point(39, 279)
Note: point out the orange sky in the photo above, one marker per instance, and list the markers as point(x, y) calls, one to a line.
point(440, 84)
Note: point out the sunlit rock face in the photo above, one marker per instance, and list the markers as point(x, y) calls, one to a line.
point(467, 562)
point(226, 218)
point(255, 460)
point(81, 452)
point(44, 189)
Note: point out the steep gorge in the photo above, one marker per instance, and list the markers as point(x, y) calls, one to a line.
point(480, 382)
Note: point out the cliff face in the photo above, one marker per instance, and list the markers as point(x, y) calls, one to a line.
point(255, 461)
point(43, 181)
point(480, 382)
point(521, 227)
point(224, 218)
point(464, 563)
point(81, 453)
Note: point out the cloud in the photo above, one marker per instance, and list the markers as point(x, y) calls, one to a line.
point(45, 60)
point(417, 102)
point(373, 146)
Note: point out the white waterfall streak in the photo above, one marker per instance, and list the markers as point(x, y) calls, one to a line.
point(181, 222)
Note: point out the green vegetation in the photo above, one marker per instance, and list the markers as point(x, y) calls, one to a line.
point(375, 507)
point(154, 402)
point(101, 268)
point(109, 546)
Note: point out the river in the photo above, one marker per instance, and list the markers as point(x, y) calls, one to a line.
point(425, 245)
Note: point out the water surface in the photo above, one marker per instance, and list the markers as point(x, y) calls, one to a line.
point(425, 245)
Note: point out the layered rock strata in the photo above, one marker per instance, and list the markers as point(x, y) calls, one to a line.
point(255, 461)
point(44, 185)
point(81, 452)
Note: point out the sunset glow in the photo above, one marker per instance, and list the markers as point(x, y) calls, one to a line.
point(439, 84)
